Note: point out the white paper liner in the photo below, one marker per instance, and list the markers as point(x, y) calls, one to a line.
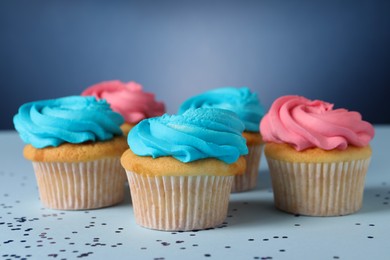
point(248, 180)
point(318, 189)
point(179, 203)
point(80, 185)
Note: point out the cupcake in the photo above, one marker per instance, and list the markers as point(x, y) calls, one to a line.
point(75, 144)
point(128, 99)
point(248, 108)
point(181, 168)
point(317, 156)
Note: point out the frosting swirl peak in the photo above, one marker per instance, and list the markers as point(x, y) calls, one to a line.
point(304, 123)
point(239, 100)
point(196, 134)
point(73, 119)
point(128, 99)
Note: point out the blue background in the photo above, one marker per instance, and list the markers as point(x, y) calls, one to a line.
point(337, 51)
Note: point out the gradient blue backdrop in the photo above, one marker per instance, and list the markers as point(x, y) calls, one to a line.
point(337, 51)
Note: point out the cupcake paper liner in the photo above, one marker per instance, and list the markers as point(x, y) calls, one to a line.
point(80, 185)
point(248, 180)
point(179, 203)
point(318, 189)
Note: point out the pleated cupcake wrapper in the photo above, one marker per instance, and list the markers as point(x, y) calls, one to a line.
point(80, 185)
point(179, 203)
point(318, 189)
point(248, 180)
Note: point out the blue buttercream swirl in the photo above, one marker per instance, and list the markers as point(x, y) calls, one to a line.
point(195, 134)
point(241, 101)
point(73, 119)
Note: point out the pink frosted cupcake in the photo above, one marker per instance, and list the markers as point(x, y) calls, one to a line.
point(128, 99)
point(317, 156)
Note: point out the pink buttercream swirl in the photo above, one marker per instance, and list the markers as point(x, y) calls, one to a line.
point(128, 99)
point(304, 123)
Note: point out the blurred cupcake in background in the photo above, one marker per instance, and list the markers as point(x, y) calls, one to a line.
point(246, 105)
point(75, 144)
point(317, 156)
point(128, 99)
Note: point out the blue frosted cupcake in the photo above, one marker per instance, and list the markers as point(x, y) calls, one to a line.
point(248, 108)
point(181, 168)
point(75, 144)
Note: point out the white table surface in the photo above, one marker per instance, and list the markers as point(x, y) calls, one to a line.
point(254, 229)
